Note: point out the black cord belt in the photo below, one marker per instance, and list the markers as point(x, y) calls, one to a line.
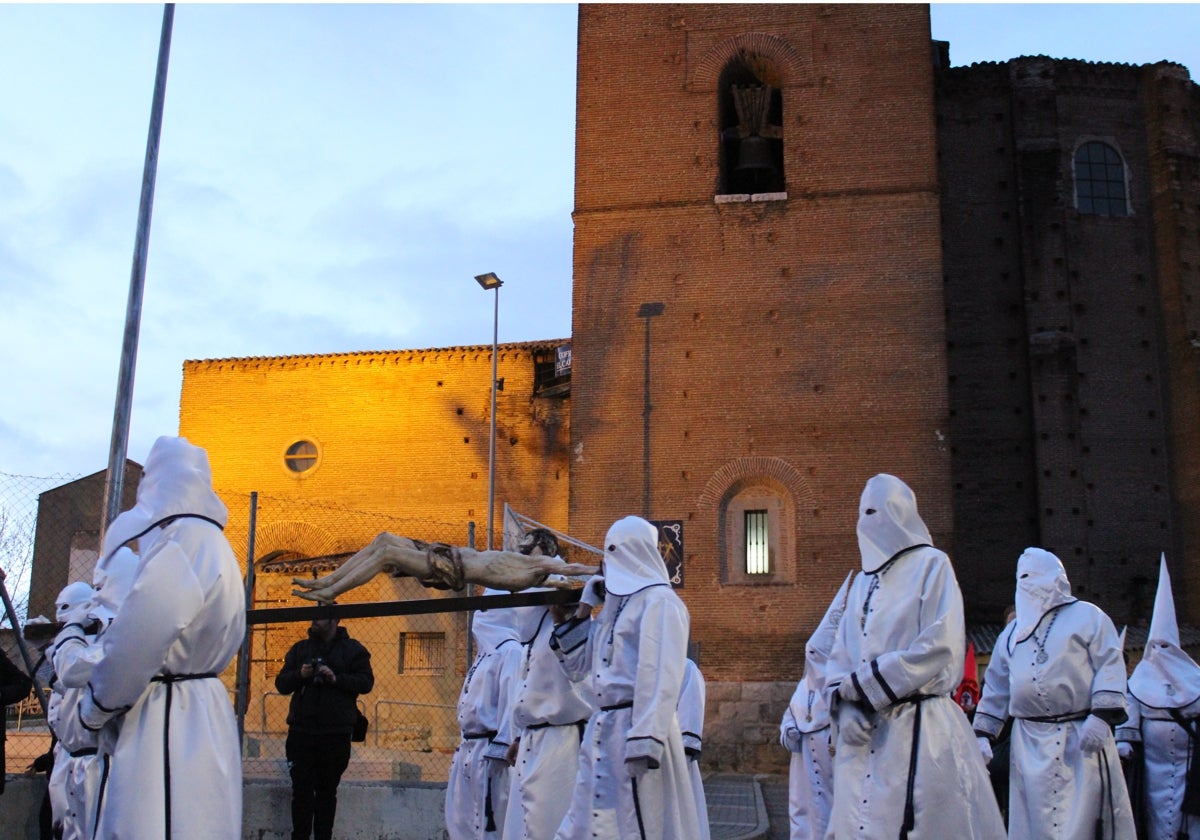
point(628, 704)
point(1066, 717)
point(81, 753)
point(174, 678)
point(548, 723)
point(475, 736)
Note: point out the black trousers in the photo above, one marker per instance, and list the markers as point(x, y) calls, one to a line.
point(316, 764)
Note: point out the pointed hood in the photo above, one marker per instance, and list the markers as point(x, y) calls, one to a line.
point(888, 521)
point(176, 480)
point(1166, 678)
point(808, 705)
point(632, 560)
point(70, 607)
point(1042, 585)
point(816, 652)
point(492, 628)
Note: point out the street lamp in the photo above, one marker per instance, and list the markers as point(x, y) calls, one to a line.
point(487, 282)
point(647, 311)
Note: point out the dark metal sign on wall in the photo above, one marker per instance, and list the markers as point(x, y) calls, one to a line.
point(670, 545)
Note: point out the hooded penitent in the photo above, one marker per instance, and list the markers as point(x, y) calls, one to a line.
point(888, 522)
point(633, 778)
point(1042, 585)
point(478, 783)
point(176, 765)
point(805, 731)
point(632, 560)
point(1166, 678)
point(906, 763)
point(71, 605)
point(808, 707)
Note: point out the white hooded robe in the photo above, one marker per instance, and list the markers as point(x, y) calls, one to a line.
point(478, 785)
point(633, 656)
point(170, 733)
point(1164, 714)
point(902, 643)
point(1056, 790)
point(690, 710)
point(548, 717)
point(806, 728)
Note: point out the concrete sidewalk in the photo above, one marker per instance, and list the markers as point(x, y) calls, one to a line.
point(736, 810)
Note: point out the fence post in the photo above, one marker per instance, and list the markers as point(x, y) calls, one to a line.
point(243, 664)
point(470, 615)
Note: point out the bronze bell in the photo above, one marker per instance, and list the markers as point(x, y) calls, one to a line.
point(754, 152)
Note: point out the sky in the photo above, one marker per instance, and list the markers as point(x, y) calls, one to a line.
point(330, 179)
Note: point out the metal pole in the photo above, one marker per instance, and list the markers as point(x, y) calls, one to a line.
point(114, 483)
point(492, 438)
point(243, 662)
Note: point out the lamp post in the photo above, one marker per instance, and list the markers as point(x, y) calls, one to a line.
point(487, 282)
point(647, 311)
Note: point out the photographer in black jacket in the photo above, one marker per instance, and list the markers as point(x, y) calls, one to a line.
point(324, 673)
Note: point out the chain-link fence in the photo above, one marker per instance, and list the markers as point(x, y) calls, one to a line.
point(419, 660)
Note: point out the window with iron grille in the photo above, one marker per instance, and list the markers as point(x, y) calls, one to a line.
point(758, 542)
point(1100, 180)
point(422, 653)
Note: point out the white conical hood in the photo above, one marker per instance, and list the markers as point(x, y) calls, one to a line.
point(888, 521)
point(176, 481)
point(70, 607)
point(808, 706)
point(632, 560)
point(1166, 678)
point(816, 652)
point(1042, 585)
point(493, 627)
point(1163, 627)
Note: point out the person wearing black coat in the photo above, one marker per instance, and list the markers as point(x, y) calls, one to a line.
point(324, 673)
point(14, 687)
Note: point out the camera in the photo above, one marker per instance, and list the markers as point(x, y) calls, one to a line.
point(315, 663)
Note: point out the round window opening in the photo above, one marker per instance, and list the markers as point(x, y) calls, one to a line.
point(301, 456)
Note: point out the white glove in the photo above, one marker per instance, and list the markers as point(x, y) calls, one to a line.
point(1092, 734)
point(593, 591)
point(853, 725)
point(847, 691)
point(985, 748)
point(790, 740)
point(1124, 749)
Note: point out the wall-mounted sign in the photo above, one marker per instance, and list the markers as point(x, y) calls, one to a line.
point(670, 545)
point(562, 360)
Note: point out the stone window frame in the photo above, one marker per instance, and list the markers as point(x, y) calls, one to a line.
point(757, 493)
point(1111, 144)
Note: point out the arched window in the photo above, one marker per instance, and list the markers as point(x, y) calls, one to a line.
point(750, 116)
point(757, 528)
point(1100, 180)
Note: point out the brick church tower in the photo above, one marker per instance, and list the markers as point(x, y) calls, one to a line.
point(758, 304)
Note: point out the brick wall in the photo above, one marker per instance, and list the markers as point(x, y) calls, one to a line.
point(402, 432)
point(801, 340)
point(1070, 373)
